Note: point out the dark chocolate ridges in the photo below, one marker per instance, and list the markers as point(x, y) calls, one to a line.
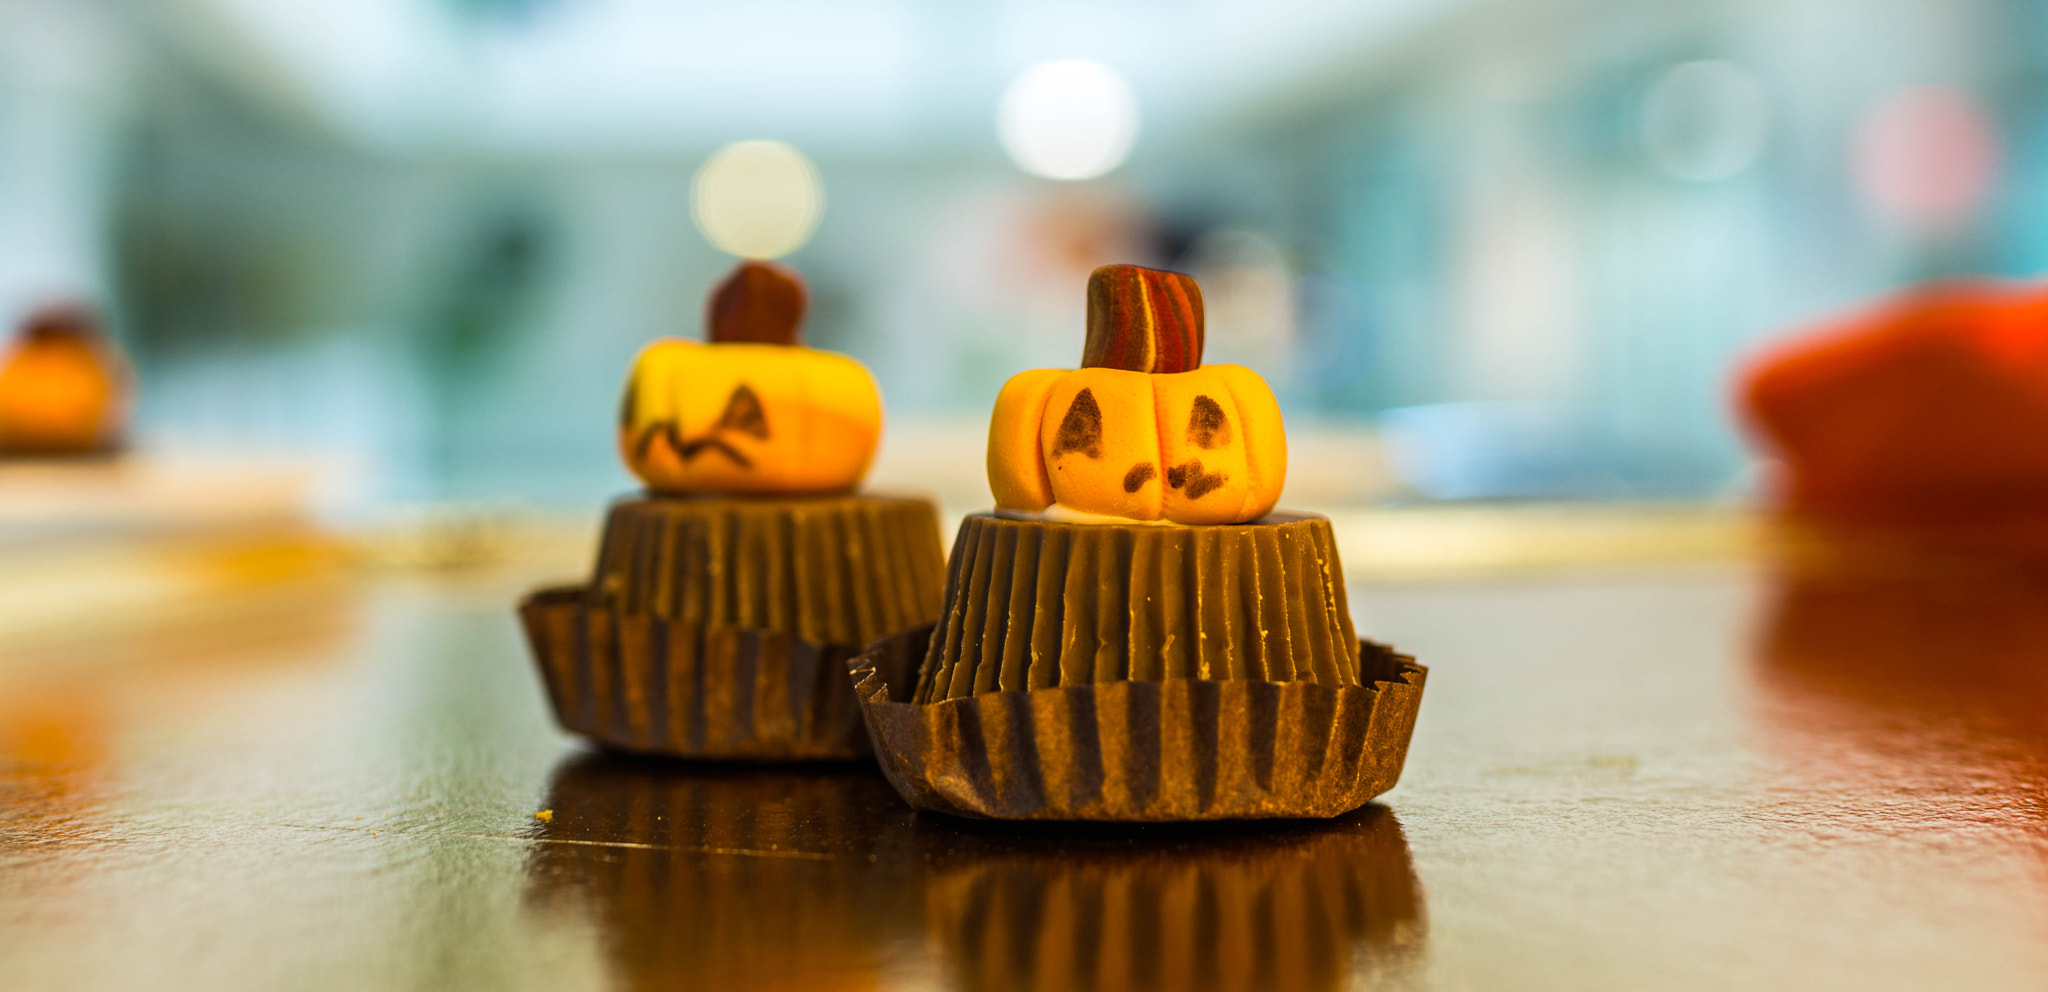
point(1031, 604)
point(834, 570)
point(1143, 751)
point(721, 628)
point(1143, 320)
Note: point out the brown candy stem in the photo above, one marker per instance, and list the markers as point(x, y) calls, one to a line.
point(1143, 320)
point(64, 320)
point(760, 302)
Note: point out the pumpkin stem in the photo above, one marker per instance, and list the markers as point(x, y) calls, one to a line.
point(1143, 320)
point(64, 320)
point(760, 302)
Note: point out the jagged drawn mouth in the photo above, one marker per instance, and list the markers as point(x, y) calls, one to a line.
point(689, 450)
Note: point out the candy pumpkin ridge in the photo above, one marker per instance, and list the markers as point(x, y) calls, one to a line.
point(1143, 320)
point(758, 303)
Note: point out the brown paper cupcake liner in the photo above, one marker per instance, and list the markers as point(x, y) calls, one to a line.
point(1180, 749)
point(830, 570)
point(1032, 604)
point(638, 682)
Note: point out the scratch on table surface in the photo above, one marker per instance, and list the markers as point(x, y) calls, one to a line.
point(743, 852)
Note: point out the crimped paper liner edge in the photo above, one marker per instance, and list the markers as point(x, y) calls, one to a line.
point(1352, 739)
point(597, 701)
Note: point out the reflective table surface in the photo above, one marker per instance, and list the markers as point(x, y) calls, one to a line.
point(1723, 774)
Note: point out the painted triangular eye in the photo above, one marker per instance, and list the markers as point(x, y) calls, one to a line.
point(1081, 428)
point(743, 413)
point(1207, 426)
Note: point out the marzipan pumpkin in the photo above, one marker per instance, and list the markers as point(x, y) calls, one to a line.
point(752, 411)
point(63, 387)
point(1142, 430)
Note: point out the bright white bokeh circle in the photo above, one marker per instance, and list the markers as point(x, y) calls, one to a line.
point(757, 199)
point(1069, 119)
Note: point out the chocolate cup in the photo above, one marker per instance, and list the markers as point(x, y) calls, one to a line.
point(1142, 751)
point(720, 629)
point(1032, 604)
point(636, 682)
point(827, 569)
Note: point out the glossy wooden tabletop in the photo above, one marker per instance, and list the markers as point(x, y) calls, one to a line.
point(1713, 775)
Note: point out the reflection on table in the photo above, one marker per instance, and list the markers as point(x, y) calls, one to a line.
point(1236, 906)
point(730, 877)
point(811, 878)
point(1919, 678)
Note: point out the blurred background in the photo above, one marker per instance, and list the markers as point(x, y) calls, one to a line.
point(401, 251)
point(380, 265)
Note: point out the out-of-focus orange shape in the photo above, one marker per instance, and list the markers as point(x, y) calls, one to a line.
point(63, 386)
point(1930, 407)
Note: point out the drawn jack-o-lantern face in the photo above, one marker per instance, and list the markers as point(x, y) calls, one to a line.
point(751, 411)
point(1152, 437)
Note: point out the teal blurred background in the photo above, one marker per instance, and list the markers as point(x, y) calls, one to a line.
point(1482, 250)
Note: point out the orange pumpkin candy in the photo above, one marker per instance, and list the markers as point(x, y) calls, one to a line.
point(752, 411)
point(1143, 430)
point(63, 387)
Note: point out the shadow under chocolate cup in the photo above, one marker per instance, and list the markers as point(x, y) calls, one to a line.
point(1138, 673)
point(721, 629)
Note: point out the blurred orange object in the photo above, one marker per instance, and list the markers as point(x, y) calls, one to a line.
point(63, 386)
point(1932, 407)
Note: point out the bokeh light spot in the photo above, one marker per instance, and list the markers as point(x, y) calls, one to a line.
point(757, 199)
point(1926, 156)
point(1705, 121)
point(1070, 119)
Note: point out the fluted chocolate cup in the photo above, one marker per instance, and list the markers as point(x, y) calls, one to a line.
point(721, 628)
point(1141, 673)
